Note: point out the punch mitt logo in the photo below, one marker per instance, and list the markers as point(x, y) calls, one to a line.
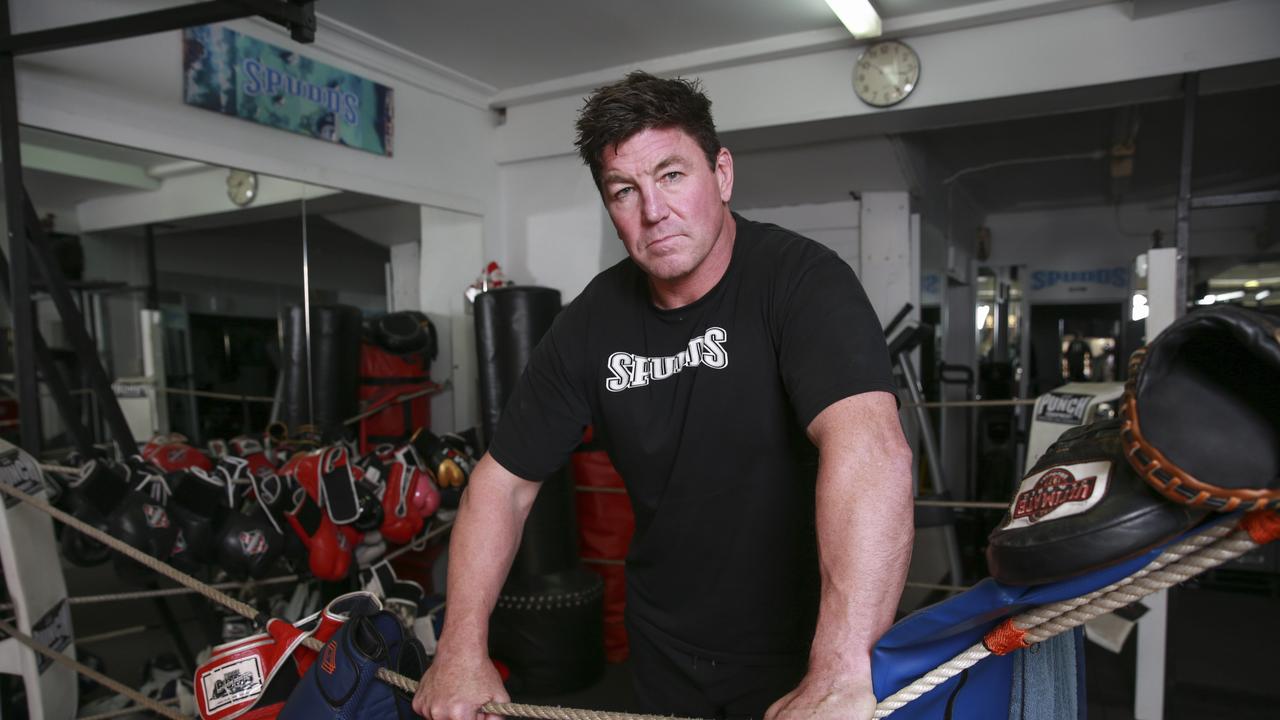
point(1058, 492)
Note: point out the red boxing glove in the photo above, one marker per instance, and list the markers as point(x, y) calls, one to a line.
point(253, 677)
point(171, 453)
point(408, 499)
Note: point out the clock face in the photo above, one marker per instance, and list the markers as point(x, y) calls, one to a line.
point(886, 73)
point(242, 187)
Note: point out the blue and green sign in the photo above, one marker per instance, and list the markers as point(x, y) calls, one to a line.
point(234, 74)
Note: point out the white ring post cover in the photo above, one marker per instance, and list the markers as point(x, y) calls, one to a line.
point(33, 573)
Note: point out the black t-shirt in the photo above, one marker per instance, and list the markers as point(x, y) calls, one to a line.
point(703, 411)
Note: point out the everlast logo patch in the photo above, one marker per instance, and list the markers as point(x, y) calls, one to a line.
point(631, 371)
point(1058, 492)
point(1056, 487)
point(1064, 408)
point(330, 661)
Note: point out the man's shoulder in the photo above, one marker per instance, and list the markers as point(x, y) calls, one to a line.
point(777, 247)
point(609, 289)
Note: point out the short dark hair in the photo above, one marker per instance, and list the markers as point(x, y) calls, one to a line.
point(641, 101)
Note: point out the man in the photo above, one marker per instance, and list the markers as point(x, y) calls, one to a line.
point(740, 381)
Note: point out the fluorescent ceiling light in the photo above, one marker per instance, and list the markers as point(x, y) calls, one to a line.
point(1233, 295)
point(1262, 295)
point(858, 17)
point(1206, 300)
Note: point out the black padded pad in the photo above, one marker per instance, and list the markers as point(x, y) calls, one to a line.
point(1080, 508)
point(1208, 397)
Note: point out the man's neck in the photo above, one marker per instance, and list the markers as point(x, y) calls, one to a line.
point(688, 289)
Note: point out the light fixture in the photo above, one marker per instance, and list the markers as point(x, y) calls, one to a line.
point(1140, 309)
point(1252, 283)
point(859, 18)
point(983, 312)
point(1262, 295)
point(1233, 295)
point(1207, 300)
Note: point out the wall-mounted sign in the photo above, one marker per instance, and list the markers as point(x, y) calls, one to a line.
point(1087, 285)
point(234, 74)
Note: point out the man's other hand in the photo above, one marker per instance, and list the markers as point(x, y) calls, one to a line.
point(454, 688)
point(822, 696)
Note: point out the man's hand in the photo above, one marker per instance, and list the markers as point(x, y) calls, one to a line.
point(823, 696)
point(455, 688)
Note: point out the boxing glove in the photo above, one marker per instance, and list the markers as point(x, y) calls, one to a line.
point(145, 525)
point(248, 545)
point(171, 453)
point(409, 497)
point(251, 678)
point(449, 459)
point(401, 597)
point(199, 506)
point(329, 546)
point(251, 450)
point(89, 496)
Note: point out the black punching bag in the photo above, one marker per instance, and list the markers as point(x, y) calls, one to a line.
point(509, 323)
point(335, 369)
point(547, 626)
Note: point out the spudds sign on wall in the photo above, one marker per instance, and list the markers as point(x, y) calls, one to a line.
point(234, 74)
point(1084, 285)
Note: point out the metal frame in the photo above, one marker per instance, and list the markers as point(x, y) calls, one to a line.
point(1182, 217)
point(26, 237)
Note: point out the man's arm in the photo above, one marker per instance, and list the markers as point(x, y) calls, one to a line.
point(484, 541)
point(865, 531)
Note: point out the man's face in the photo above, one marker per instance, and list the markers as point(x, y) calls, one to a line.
point(667, 204)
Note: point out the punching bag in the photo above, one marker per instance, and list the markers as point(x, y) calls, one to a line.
point(509, 323)
point(547, 626)
point(335, 369)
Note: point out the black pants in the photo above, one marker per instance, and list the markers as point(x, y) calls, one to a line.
point(669, 681)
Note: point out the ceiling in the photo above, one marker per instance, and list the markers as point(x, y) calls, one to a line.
point(1236, 149)
point(506, 44)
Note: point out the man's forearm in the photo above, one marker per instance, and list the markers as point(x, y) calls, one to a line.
point(865, 540)
point(484, 541)
point(865, 532)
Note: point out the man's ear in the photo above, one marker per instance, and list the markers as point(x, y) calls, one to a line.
point(724, 174)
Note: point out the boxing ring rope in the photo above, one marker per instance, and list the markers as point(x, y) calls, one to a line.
point(1181, 561)
point(1178, 563)
point(168, 592)
point(134, 695)
point(1015, 402)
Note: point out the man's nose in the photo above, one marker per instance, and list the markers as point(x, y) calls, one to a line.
point(655, 206)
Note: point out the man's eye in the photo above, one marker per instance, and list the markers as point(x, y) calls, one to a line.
point(673, 175)
point(621, 193)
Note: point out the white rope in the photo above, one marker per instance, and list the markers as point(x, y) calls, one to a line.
point(83, 669)
point(1176, 564)
point(167, 592)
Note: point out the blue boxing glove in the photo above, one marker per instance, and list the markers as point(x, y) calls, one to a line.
point(342, 683)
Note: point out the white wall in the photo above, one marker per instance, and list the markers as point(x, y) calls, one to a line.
point(452, 255)
point(130, 92)
point(835, 225)
point(554, 229)
point(1088, 47)
point(1106, 236)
